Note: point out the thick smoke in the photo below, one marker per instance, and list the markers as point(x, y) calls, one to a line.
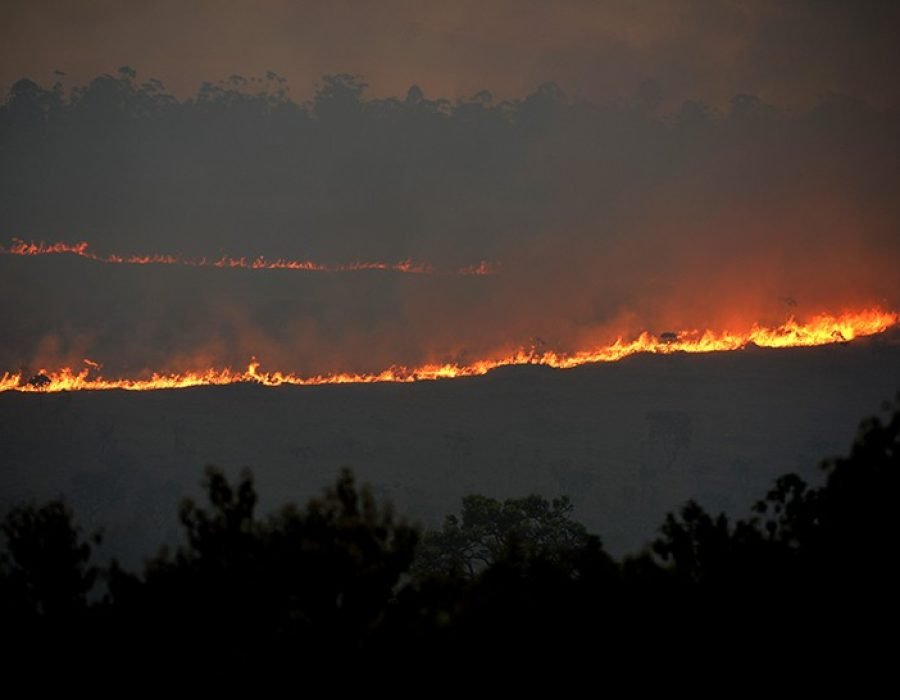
point(600, 218)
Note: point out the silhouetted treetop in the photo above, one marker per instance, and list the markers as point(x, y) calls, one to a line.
point(487, 530)
point(334, 581)
point(836, 537)
point(45, 567)
point(320, 576)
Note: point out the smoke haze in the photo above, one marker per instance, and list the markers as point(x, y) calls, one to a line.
point(674, 176)
point(787, 53)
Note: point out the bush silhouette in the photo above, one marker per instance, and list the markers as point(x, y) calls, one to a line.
point(45, 569)
point(317, 579)
point(335, 579)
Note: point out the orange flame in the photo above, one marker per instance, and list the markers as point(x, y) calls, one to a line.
point(80, 249)
point(819, 330)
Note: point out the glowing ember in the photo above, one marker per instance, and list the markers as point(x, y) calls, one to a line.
point(20, 247)
point(819, 330)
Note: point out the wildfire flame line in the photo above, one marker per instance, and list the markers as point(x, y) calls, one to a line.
point(80, 249)
point(819, 330)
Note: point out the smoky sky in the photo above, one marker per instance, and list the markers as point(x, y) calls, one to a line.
point(784, 52)
point(621, 166)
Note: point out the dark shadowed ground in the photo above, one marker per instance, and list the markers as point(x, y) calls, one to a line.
point(627, 441)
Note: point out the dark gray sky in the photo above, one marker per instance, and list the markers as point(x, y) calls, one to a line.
point(783, 52)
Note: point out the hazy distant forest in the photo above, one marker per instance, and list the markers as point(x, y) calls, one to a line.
point(624, 211)
point(344, 578)
point(344, 176)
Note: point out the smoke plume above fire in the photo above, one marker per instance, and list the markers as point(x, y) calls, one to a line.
point(598, 221)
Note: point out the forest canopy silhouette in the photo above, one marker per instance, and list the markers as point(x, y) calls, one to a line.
point(344, 577)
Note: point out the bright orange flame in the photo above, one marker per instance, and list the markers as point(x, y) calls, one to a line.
point(20, 247)
point(819, 330)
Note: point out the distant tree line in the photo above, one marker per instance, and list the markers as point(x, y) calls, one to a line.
point(342, 175)
point(344, 579)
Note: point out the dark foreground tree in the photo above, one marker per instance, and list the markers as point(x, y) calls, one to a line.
point(841, 534)
point(819, 561)
point(811, 570)
point(45, 568)
point(45, 580)
point(489, 530)
point(315, 581)
point(508, 578)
